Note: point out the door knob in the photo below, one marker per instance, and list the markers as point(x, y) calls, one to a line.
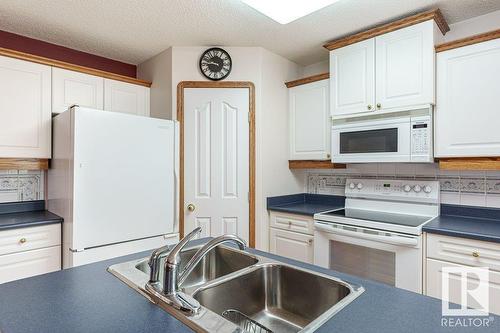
point(191, 207)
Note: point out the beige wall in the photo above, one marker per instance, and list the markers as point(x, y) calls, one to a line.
point(268, 72)
point(317, 68)
point(159, 71)
point(473, 26)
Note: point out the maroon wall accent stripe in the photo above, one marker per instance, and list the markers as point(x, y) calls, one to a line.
point(37, 47)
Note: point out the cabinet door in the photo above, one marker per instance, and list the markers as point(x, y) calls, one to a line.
point(69, 88)
point(405, 67)
point(29, 263)
point(126, 98)
point(25, 109)
point(309, 121)
point(292, 245)
point(435, 288)
point(467, 112)
point(352, 78)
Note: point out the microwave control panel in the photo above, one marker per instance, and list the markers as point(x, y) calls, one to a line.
point(421, 136)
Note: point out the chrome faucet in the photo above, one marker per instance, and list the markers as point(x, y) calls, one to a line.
point(173, 278)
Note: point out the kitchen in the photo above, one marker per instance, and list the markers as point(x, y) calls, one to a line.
point(230, 177)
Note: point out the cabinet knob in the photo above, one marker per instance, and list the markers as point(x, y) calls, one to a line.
point(310, 241)
point(379, 105)
point(289, 224)
point(369, 107)
point(475, 254)
point(328, 156)
point(23, 240)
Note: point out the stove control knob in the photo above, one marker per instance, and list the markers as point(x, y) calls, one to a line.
point(360, 186)
point(427, 189)
point(407, 188)
point(352, 186)
point(417, 188)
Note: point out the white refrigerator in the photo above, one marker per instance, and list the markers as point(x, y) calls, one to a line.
point(113, 178)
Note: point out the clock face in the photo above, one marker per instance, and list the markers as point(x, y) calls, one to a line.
point(215, 64)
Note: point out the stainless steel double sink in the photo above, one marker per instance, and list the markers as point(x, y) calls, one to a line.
point(242, 292)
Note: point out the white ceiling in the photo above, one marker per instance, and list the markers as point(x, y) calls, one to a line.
point(134, 30)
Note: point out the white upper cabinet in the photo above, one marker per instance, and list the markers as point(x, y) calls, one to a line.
point(69, 88)
point(309, 121)
point(126, 98)
point(352, 77)
point(25, 109)
point(405, 67)
point(390, 72)
point(467, 109)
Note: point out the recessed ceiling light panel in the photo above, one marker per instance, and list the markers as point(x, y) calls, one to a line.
point(286, 11)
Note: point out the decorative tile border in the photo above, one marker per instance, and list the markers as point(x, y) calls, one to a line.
point(21, 185)
point(328, 183)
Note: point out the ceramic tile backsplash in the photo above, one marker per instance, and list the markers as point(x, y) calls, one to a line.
point(21, 185)
point(471, 188)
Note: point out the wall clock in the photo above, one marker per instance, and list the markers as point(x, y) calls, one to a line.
point(215, 64)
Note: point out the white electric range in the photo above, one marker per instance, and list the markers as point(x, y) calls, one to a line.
point(378, 235)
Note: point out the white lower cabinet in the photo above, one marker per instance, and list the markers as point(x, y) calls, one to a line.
point(447, 251)
point(26, 252)
point(29, 263)
point(434, 284)
point(292, 244)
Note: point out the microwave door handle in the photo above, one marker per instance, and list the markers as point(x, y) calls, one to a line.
point(394, 240)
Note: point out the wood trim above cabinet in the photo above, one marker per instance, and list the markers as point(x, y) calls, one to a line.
point(434, 14)
point(468, 41)
point(23, 164)
point(71, 67)
point(470, 163)
point(313, 164)
point(306, 80)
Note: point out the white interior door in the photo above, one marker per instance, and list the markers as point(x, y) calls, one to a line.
point(216, 161)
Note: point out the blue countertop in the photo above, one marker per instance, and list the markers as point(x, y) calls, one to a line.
point(26, 214)
point(305, 203)
point(467, 222)
point(89, 299)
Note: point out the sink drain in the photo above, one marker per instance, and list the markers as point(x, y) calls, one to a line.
point(244, 321)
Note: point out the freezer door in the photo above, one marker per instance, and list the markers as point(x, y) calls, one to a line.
point(124, 183)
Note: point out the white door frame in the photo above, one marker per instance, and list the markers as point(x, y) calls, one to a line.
point(180, 117)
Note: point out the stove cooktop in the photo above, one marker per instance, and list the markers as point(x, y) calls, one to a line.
point(383, 217)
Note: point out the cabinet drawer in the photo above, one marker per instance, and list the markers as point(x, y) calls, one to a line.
point(464, 251)
point(292, 222)
point(292, 245)
point(434, 284)
point(25, 239)
point(30, 263)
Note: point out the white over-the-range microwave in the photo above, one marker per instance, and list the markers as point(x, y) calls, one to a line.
point(406, 138)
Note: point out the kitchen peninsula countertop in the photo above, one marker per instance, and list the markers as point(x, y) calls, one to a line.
point(89, 299)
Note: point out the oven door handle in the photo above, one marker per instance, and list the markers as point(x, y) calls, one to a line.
point(393, 239)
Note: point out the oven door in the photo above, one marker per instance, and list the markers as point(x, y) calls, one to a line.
point(387, 257)
point(386, 140)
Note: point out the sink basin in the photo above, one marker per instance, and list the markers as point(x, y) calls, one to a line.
point(279, 297)
point(218, 262)
point(241, 292)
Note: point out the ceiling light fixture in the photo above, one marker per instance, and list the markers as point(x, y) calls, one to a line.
point(286, 11)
